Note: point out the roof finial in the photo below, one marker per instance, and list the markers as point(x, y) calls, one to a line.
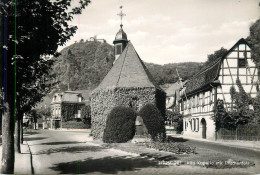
point(121, 14)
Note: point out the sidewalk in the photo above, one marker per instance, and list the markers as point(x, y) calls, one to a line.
point(22, 161)
point(253, 145)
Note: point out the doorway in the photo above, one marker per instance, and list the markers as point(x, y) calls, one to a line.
point(204, 128)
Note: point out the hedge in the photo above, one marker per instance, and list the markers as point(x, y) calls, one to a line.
point(120, 125)
point(75, 124)
point(153, 121)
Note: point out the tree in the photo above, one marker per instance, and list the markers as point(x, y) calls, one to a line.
point(34, 116)
point(217, 54)
point(254, 41)
point(86, 114)
point(240, 113)
point(41, 24)
point(175, 119)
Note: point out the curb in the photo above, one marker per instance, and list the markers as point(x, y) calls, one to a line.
point(32, 169)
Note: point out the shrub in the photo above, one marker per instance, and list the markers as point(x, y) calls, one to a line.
point(153, 121)
point(173, 147)
point(120, 125)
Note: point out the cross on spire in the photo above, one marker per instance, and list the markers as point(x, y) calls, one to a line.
point(121, 14)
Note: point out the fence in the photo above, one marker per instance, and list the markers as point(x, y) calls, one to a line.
point(242, 132)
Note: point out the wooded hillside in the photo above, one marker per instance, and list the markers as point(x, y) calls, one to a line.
point(85, 64)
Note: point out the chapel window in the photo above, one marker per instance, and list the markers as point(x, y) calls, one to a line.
point(118, 49)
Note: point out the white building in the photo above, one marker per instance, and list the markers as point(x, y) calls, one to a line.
point(212, 83)
point(173, 95)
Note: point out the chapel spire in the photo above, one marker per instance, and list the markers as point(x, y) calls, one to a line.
point(121, 14)
point(120, 41)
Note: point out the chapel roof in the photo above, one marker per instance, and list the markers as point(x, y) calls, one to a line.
point(121, 35)
point(128, 71)
point(208, 74)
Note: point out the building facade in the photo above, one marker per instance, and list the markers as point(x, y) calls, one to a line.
point(173, 96)
point(65, 106)
point(212, 83)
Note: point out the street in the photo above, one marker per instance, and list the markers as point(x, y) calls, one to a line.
point(226, 149)
point(60, 152)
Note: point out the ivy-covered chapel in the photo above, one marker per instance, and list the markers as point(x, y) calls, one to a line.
point(128, 83)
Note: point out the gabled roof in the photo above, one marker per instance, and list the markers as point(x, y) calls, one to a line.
point(128, 71)
point(66, 96)
point(204, 77)
point(208, 74)
point(170, 91)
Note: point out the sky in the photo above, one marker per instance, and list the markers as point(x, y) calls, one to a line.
point(170, 31)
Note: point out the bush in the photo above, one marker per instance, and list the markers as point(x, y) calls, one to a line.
point(120, 125)
point(153, 121)
point(173, 147)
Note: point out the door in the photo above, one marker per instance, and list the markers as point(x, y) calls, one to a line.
point(204, 128)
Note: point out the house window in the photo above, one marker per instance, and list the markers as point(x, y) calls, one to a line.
point(182, 105)
point(197, 100)
point(203, 99)
point(241, 62)
point(198, 125)
point(194, 125)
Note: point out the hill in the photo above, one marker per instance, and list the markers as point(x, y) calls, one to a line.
point(165, 74)
point(85, 64)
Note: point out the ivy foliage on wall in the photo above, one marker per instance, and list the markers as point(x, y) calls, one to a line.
point(68, 111)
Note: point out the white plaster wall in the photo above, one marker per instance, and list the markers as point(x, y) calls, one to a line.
point(210, 126)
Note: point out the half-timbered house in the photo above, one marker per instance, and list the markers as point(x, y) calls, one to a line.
point(212, 83)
